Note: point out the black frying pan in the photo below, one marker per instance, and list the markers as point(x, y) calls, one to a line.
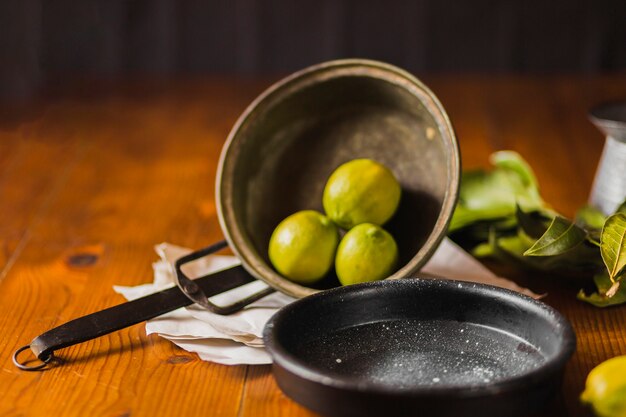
point(419, 347)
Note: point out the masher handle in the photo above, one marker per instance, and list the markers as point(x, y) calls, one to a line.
point(127, 314)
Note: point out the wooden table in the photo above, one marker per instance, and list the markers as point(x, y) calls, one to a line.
point(91, 180)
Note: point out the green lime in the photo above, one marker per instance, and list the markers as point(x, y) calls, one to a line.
point(361, 191)
point(302, 247)
point(366, 253)
point(605, 389)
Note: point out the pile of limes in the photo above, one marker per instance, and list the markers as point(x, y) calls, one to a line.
point(360, 196)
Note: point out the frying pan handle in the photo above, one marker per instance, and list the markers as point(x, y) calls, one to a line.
point(195, 293)
point(127, 314)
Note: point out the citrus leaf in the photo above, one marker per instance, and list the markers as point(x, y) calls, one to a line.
point(581, 260)
point(533, 223)
point(613, 244)
point(511, 160)
point(600, 298)
point(483, 196)
point(562, 235)
point(621, 208)
point(483, 250)
point(590, 217)
point(521, 178)
point(494, 195)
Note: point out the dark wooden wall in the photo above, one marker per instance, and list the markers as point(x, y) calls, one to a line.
point(49, 41)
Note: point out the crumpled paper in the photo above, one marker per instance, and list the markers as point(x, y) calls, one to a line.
point(238, 338)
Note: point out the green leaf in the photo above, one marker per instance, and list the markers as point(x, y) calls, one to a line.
point(478, 232)
point(533, 223)
point(480, 199)
point(621, 208)
point(513, 161)
point(582, 259)
point(562, 235)
point(488, 196)
point(483, 250)
point(613, 244)
point(590, 217)
point(521, 178)
point(599, 298)
point(513, 246)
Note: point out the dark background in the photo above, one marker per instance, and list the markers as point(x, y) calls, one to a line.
point(53, 42)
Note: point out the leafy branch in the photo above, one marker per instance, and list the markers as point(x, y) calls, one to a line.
point(501, 213)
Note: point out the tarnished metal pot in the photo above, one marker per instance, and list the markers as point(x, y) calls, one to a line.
point(286, 144)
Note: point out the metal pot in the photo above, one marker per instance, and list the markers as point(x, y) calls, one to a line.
point(286, 144)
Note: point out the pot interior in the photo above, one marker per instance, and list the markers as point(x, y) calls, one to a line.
point(281, 155)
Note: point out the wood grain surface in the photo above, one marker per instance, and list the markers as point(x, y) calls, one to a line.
point(92, 179)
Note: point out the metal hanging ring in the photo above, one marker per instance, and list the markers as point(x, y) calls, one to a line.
point(23, 366)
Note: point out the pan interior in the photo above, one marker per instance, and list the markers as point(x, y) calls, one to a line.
point(418, 333)
point(410, 353)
